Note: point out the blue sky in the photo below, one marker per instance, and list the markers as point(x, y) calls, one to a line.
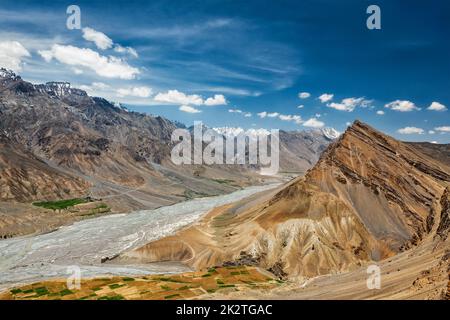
point(244, 63)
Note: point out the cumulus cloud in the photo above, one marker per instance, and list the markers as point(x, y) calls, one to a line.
point(11, 55)
point(234, 111)
point(284, 117)
point(95, 88)
point(349, 104)
point(304, 95)
point(431, 132)
point(120, 49)
point(177, 97)
point(138, 92)
point(402, 106)
point(313, 123)
point(287, 117)
point(108, 67)
point(380, 112)
point(262, 115)
point(443, 129)
point(411, 130)
point(101, 40)
point(300, 106)
point(326, 97)
point(217, 100)
point(436, 106)
point(189, 109)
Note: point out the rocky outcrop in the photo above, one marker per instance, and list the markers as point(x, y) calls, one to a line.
point(444, 224)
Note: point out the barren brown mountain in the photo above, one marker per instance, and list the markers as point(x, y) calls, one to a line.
point(369, 198)
point(60, 143)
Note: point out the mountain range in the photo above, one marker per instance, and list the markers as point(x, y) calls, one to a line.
point(367, 200)
point(60, 143)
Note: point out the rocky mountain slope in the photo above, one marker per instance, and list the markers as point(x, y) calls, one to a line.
point(88, 146)
point(368, 198)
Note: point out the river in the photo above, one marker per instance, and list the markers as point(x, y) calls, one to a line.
point(84, 243)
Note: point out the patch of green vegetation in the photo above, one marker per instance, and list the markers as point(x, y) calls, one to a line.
point(206, 275)
point(115, 286)
point(235, 273)
point(189, 194)
point(59, 205)
point(172, 296)
point(41, 291)
point(227, 286)
point(220, 281)
point(117, 297)
point(167, 288)
point(224, 181)
point(169, 280)
point(96, 289)
point(28, 291)
point(211, 290)
point(127, 279)
point(65, 292)
point(211, 270)
point(15, 291)
point(183, 288)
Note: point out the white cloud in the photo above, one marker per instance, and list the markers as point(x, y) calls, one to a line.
point(120, 49)
point(431, 132)
point(326, 97)
point(109, 67)
point(189, 109)
point(96, 88)
point(139, 92)
point(304, 95)
point(11, 55)
point(443, 129)
point(284, 117)
point(348, 123)
point(436, 106)
point(273, 114)
point(411, 130)
point(433, 142)
point(77, 71)
point(217, 100)
point(380, 112)
point(177, 97)
point(313, 123)
point(300, 106)
point(101, 40)
point(287, 117)
point(402, 106)
point(262, 115)
point(246, 114)
point(349, 104)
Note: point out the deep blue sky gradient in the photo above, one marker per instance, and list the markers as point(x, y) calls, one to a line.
point(260, 55)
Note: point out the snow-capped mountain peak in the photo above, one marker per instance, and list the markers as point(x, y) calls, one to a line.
point(330, 133)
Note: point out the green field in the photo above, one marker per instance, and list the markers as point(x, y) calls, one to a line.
point(59, 205)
